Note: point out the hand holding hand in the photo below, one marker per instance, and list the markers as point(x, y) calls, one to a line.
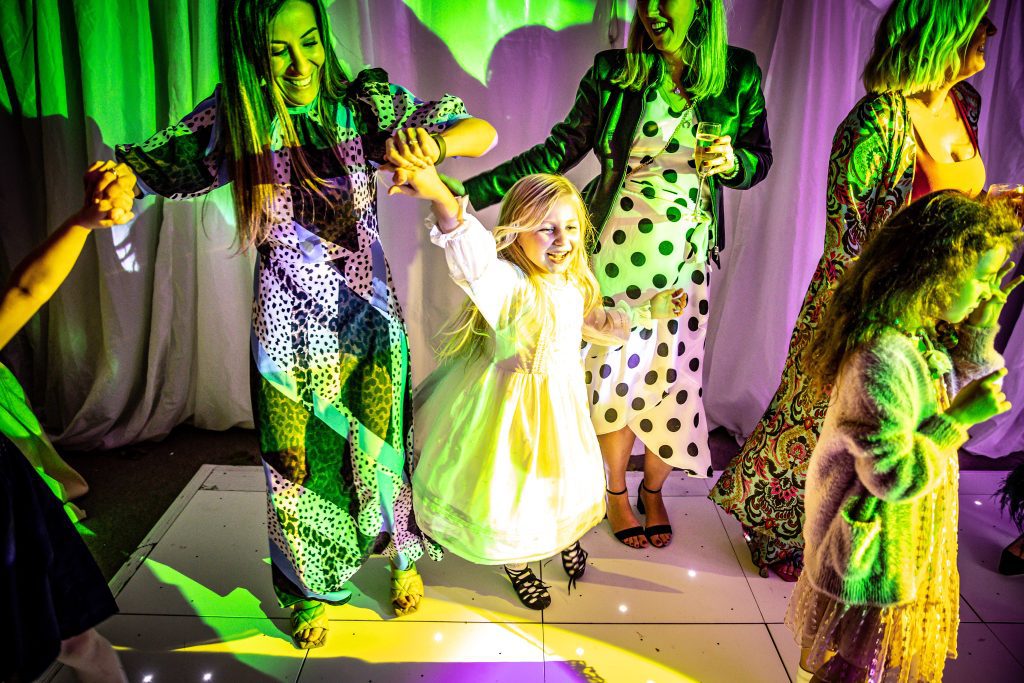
point(410, 149)
point(425, 183)
point(668, 304)
point(986, 313)
point(109, 193)
point(422, 183)
point(980, 400)
point(719, 157)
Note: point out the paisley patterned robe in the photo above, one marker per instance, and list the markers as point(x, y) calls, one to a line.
point(870, 177)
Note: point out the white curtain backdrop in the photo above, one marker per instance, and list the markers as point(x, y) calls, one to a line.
point(152, 328)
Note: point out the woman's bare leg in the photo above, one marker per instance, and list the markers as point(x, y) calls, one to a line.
point(616, 448)
point(656, 472)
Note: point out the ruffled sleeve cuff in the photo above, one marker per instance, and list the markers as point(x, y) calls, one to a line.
point(469, 248)
point(639, 316)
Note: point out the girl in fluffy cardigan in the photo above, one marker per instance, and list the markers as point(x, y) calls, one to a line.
point(907, 348)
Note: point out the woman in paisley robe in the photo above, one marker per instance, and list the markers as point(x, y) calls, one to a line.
point(915, 131)
point(300, 143)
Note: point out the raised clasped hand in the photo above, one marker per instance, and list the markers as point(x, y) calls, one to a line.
point(718, 157)
point(407, 151)
point(109, 194)
point(986, 313)
point(668, 304)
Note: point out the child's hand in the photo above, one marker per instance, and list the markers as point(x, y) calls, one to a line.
point(986, 314)
point(980, 400)
point(668, 304)
point(420, 178)
point(109, 193)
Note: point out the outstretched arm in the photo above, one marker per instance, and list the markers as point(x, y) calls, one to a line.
point(422, 182)
point(469, 138)
point(108, 201)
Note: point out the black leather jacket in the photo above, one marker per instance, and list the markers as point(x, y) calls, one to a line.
point(604, 119)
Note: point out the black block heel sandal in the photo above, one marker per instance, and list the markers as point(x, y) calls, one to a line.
point(631, 532)
point(657, 529)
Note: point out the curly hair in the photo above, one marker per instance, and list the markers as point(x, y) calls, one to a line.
point(910, 269)
point(1011, 496)
point(919, 45)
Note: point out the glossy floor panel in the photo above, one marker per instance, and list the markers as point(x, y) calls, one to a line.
point(663, 653)
point(428, 652)
point(197, 606)
point(984, 532)
point(695, 579)
point(982, 656)
point(178, 649)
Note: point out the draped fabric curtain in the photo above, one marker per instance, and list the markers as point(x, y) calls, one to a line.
point(151, 329)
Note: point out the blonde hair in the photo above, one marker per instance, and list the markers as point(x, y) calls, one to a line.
point(522, 210)
point(705, 56)
point(919, 45)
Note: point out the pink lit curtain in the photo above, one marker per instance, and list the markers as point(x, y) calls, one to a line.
point(151, 330)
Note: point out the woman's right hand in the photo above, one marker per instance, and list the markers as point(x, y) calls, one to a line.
point(980, 400)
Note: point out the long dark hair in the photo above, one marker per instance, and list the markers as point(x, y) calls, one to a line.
point(1011, 495)
point(251, 107)
point(908, 270)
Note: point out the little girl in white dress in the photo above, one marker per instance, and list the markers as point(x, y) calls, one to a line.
point(509, 469)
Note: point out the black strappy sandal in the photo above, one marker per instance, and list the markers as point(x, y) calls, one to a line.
point(631, 532)
point(530, 590)
point(574, 562)
point(657, 529)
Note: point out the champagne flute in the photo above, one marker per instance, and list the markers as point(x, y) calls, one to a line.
point(707, 133)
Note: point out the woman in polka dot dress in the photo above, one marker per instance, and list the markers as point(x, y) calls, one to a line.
point(331, 394)
point(637, 109)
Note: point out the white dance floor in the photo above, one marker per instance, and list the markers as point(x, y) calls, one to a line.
point(197, 606)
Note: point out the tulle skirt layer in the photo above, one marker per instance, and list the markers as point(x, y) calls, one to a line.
point(906, 643)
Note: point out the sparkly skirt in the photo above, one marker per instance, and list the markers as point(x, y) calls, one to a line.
point(906, 643)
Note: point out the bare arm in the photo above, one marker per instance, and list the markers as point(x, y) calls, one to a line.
point(469, 138)
point(424, 183)
point(108, 201)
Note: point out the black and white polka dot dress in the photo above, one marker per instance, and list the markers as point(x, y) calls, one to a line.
point(652, 242)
